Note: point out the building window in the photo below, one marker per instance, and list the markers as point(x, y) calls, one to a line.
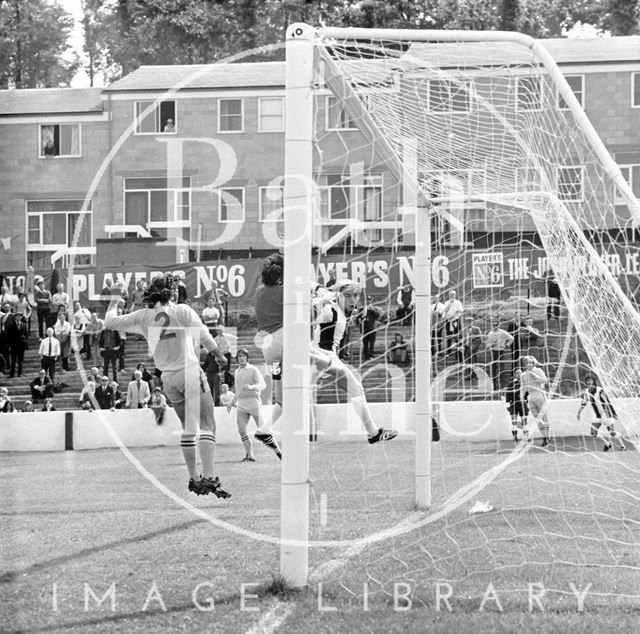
point(52, 225)
point(271, 203)
point(570, 181)
point(160, 206)
point(271, 114)
point(635, 90)
point(230, 115)
point(528, 94)
point(342, 200)
point(59, 140)
point(576, 82)
point(631, 174)
point(449, 96)
point(231, 204)
point(337, 116)
point(154, 117)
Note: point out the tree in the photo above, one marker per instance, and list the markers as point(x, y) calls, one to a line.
point(34, 37)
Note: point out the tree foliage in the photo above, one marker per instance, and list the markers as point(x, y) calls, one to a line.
point(121, 35)
point(34, 37)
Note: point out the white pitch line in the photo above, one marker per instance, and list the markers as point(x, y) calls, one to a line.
point(281, 610)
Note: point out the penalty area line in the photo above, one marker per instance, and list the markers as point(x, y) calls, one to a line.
point(281, 610)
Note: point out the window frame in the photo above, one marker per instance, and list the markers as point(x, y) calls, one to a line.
point(175, 222)
point(561, 103)
point(261, 192)
point(558, 170)
point(635, 89)
point(633, 169)
point(41, 246)
point(260, 114)
point(221, 200)
point(518, 103)
point(241, 100)
point(59, 155)
point(157, 113)
point(469, 91)
point(328, 109)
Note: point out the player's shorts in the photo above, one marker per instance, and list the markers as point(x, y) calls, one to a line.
point(271, 345)
point(518, 408)
point(249, 406)
point(538, 405)
point(179, 385)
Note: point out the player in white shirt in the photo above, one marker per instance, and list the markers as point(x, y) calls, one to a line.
point(249, 384)
point(174, 333)
point(533, 383)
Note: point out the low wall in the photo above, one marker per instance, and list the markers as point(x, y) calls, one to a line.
point(477, 421)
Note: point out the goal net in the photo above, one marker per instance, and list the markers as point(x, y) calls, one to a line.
point(469, 155)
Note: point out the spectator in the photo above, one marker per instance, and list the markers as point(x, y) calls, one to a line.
point(158, 404)
point(211, 316)
point(79, 321)
point(406, 301)
point(499, 343)
point(367, 318)
point(27, 407)
point(87, 395)
point(398, 353)
point(118, 396)
point(513, 329)
point(24, 307)
point(169, 127)
point(528, 338)
point(60, 299)
point(219, 296)
point(138, 394)
point(105, 293)
point(109, 342)
point(48, 406)
point(62, 332)
point(146, 375)
point(7, 297)
point(43, 307)
point(437, 325)
point(6, 406)
point(181, 292)
point(452, 317)
point(212, 371)
point(95, 375)
point(17, 334)
point(137, 297)
point(227, 397)
point(49, 352)
point(6, 320)
point(41, 386)
point(123, 341)
point(470, 344)
point(222, 342)
point(104, 394)
point(554, 297)
point(93, 330)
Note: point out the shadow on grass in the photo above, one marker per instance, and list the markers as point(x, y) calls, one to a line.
point(10, 575)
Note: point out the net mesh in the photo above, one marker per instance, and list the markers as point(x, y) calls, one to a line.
point(531, 230)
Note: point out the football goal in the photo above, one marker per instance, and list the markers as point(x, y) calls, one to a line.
point(440, 162)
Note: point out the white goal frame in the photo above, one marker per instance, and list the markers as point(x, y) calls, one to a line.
point(298, 216)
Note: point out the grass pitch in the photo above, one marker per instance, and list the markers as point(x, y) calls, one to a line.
point(91, 545)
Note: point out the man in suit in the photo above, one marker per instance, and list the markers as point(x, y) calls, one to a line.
point(104, 394)
point(41, 387)
point(138, 393)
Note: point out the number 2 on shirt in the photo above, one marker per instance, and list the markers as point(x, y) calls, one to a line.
point(164, 318)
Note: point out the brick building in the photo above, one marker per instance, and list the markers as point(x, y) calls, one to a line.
point(195, 155)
